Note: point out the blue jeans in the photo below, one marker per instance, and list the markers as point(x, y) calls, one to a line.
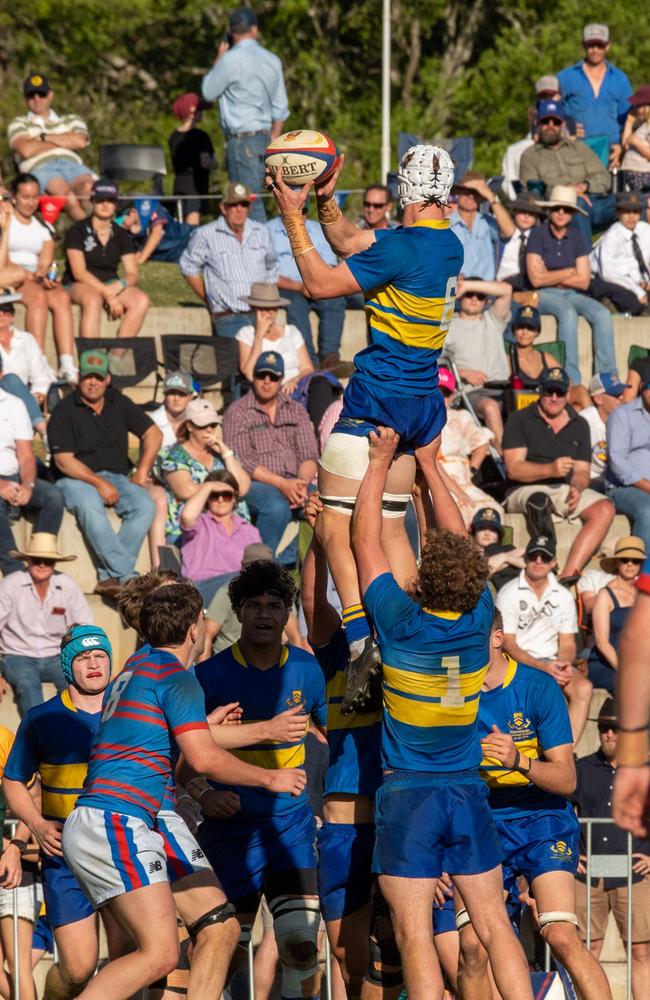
point(245, 163)
point(602, 212)
point(60, 167)
point(14, 385)
point(116, 554)
point(27, 673)
point(635, 503)
point(47, 501)
point(566, 305)
point(272, 513)
point(331, 316)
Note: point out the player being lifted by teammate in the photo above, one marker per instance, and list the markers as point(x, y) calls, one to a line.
point(409, 278)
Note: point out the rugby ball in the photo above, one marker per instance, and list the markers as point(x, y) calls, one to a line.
point(302, 155)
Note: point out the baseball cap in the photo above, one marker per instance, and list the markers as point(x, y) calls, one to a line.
point(550, 109)
point(595, 33)
point(93, 362)
point(607, 382)
point(446, 379)
point(547, 85)
point(236, 192)
point(541, 543)
point(242, 20)
point(201, 413)
point(271, 362)
point(7, 299)
point(188, 104)
point(527, 316)
point(256, 551)
point(640, 96)
point(555, 378)
point(487, 517)
point(104, 190)
point(36, 83)
point(178, 382)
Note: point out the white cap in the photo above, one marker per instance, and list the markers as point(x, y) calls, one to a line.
point(426, 173)
point(595, 33)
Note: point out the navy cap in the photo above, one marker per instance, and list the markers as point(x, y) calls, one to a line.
point(541, 543)
point(554, 378)
point(527, 316)
point(271, 362)
point(487, 517)
point(550, 109)
point(36, 83)
point(607, 382)
point(242, 20)
point(104, 190)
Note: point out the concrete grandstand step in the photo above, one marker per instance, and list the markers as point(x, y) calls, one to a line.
point(566, 532)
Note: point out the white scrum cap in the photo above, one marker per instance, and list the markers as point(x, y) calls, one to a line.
point(426, 173)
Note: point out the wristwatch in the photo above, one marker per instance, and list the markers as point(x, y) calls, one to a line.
point(29, 486)
point(20, 844)
point(42, 137)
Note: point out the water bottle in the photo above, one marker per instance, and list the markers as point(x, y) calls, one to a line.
point(53, 271)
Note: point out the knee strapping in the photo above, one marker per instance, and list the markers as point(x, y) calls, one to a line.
point(340, 505)
point(557, 917)
point(392, 504)
point(218, 915)
point(462, 919)
point(296, 922)
point(345, 455)
point(384, 959)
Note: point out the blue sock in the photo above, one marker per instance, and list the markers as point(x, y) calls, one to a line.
point(355, 623)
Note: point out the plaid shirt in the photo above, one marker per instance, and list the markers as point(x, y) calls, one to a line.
point(281, 446)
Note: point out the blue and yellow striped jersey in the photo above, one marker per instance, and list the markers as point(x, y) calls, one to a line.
point(409, 277)
point(433, 669)
point(354, 740)
point(296, 679)
point(54, 739)
point(531, 707)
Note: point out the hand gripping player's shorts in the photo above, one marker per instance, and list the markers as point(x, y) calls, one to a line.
point(428, 823)
point(344, 868)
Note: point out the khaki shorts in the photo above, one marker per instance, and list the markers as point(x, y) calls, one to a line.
point(29, 899)
point(603, 900)
point(516, 502)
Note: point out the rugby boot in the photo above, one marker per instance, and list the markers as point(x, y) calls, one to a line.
point(538, 515)
point(363, 679)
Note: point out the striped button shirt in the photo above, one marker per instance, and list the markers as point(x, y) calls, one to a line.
point(30, 126)
point(280, 445)
point(229, 266)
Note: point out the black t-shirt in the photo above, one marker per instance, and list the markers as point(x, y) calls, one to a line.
point(527, 429)
point(102, 261)
point(99, 440)
point(186, 148)
point(507, 573)
point(642, 367)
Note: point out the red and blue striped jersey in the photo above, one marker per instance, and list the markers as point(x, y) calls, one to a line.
point(146, 707)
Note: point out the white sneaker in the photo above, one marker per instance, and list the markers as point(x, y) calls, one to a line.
point(68, 373)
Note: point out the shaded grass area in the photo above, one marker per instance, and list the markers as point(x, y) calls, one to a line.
point(164, 285)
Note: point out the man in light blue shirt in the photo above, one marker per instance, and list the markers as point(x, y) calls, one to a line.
point(247, 81)
point(596, 93)
point(472, 229)
point(628, 467)
point(330, 312)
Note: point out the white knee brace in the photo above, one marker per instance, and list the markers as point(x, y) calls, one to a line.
point(462, 919)
point(296, 922)
point(557, 917)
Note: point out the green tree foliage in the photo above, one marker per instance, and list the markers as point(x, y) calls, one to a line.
point(458, 66)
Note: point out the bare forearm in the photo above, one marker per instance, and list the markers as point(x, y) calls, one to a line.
point(222, 766)
point(517, 653)
point(633, 674)
point(307, 470)
point(27, 467)
point(234, 737)
point(528, 472)
point(552, 776)
point(446, 513)
point(70, 140)
point(70, 466)
point(193, 507)
point(151, 445)
point(195, 282)
point(263, 475)
point(20, 802)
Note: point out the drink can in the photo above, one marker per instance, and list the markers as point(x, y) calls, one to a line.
point(53, 271)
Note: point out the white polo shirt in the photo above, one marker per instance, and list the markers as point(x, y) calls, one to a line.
point(15, 425)
point(537, 622)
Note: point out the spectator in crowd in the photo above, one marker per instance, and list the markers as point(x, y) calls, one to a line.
point(557, 160)
point(635, 140)
point(547, 88)
point(504, 560)
point(23, 369)
point(611, 609)
point(557, 262)
point(274, 438)
point(161, 238)
point(620, 261)
point(247, 81)
point(214, 536)
point(221, 263)
point(471, 228)
point(225, 627)
point(528, 364)
point(526, 214)
point(330, 312)
point(20, 489)
point(638, 373)
point(540, 625)
point(192, 155)
point(592, 582)
point(463, 448)
point(266, 334)
point(377, 208)
point(88, 434)
point(595, 92)
point(475, 345)
point(31, 248)
point(628, 449)
point(10, 274)
point(593, 798)
point(606, 391)
point(547, 450)
point(47, 145)
point(38, 605)
point(200, 449)
point(95, 248)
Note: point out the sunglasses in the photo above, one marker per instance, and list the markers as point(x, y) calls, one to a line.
point(481, 296)
point(40, 561)
point(561, 393)
point(551, 121)
point(177, 392)
point(222, 495)
point(626, 559)
point(238, 204)
point(595, 45)
point(604, 727)
point(375, 204)
point(544, 556)
point(261, 376)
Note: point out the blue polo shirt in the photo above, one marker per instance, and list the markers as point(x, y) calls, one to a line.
point(602, 115)
point(480, 260)
point(557, 253)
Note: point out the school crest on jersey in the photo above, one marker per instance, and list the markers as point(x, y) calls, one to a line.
point(561, 851)
point(520, 726)
point(294, 699)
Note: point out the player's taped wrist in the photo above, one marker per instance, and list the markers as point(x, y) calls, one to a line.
point(197, 787)
point(299, 238)
point(329, 212)
point(632, 748)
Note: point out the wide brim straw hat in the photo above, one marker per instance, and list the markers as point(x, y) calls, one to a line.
point(42, 545)
point(264, 296)
point(563, 196)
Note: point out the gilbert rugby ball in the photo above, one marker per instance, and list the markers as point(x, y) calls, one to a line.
point(302, 155)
